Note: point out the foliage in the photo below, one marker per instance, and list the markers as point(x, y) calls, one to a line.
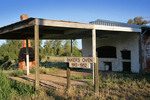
point(44, 70)
point(127, 86)
point(112, 86)
point(60, 48)
point(53, 64)
point(12, 89)
point(137, 21)
point(9, 51)
point(18, 73)
point(74, 77)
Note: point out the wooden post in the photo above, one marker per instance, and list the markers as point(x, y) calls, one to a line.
point(68, 78)
point(96, 78)
point(27, 56)
point(36, 39)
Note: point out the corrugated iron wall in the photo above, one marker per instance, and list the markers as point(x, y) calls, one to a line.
point(146, 52)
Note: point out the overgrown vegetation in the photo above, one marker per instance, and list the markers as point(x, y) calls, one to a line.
point(112, 86)
point(17, 73)
point(74, 77)
point(138, 21)
point(127, 86)
point(9, 51)
point(44, 70)
point(13, 90)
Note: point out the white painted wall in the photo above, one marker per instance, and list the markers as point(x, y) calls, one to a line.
point(121, 41)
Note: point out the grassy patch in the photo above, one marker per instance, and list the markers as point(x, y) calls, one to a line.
point(17, 73)
point(115, 86)
point(126, 86)
point(73, 77)
point(77, 77)
point(44, 70)
point(12, 89)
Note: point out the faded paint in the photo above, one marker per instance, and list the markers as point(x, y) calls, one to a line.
point(122, 41)
point(146, 52)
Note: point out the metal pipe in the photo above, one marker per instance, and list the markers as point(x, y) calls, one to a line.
point(71, 47)
point(27, 56)
point(141, 55)
point(93, 47)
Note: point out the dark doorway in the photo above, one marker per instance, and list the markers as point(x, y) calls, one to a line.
point(126, 60)
point(127, 66)
point(106, 52)
point(109, 65)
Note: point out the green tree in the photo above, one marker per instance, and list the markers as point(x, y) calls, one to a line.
point(33, 43)
point(67, 49)
point(9, 51)
point(76, 52)
point(47, 48)
point(138, 21)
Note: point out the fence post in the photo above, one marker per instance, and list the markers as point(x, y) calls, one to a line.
point(68, 78)
point(96, 78)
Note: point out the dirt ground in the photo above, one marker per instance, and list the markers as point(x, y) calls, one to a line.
point(55, 80)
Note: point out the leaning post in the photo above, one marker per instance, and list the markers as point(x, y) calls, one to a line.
point(36, 39)
point(68, 78)
point(96, 78)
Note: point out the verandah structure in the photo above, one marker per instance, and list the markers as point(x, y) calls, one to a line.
point(35, 28)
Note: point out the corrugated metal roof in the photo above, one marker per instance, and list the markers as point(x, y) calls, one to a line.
point(113, 23)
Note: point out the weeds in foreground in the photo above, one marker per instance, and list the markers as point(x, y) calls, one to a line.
point(112, 86)
point(44, 70)
point(18, 73)
point(13, 90)
point(77, 77)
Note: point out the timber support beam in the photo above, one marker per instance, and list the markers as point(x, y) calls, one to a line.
point(36, 40)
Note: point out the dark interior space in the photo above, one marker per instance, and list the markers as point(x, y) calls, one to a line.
point(106, 52)
point(126, 54)
point(127, 66)
point(108, 64)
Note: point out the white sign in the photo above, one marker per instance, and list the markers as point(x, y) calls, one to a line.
point(79, 65)
point(80, 62)
point(80, 59)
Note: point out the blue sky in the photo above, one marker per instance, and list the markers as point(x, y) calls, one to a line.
point(73, 10)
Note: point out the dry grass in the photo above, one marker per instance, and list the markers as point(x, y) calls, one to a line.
point(53, 59)
point(112, 86)
point(115, 86)
point(44, 70)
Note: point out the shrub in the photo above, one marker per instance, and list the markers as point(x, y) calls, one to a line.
point(12, 89)
point(5, 88)
point(18, 73)
point(44, 70)
point(32, 70)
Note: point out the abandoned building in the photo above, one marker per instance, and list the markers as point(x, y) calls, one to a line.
point(119, 46)
point(119, 50)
